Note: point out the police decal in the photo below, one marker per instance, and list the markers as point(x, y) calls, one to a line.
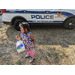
point(58, 15)
point(42, 16)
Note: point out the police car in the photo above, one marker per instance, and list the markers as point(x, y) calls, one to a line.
point(65, 17)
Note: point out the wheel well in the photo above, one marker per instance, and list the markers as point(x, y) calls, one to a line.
point(68, 18)
point(17, 17)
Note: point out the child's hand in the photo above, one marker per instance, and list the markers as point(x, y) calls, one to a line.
point(34, 46)
point(17, 37)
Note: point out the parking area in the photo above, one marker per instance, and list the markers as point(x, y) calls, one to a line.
point(54, 46)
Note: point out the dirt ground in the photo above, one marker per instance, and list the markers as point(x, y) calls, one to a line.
point(54, 46)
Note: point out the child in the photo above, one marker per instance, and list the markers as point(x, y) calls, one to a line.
point(27, 38)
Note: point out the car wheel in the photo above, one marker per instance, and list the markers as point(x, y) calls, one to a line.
point(69, 24)
point(16, 24)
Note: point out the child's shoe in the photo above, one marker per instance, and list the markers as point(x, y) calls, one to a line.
point(27, 55)
point(31, 59)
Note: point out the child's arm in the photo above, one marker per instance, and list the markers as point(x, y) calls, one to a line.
point(18, 38)
point(31, 35)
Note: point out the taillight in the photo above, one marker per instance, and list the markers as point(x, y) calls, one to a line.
point(2, 10)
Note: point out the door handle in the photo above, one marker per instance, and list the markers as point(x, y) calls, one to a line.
point(47, 11)
point(24, 10)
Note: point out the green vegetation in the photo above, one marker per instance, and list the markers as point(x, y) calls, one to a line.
point(18, 62)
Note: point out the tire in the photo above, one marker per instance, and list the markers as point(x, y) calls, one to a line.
point(69, 24)
point(16, 24)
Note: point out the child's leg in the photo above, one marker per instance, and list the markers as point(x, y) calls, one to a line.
point(27, 55)
point(30, 53)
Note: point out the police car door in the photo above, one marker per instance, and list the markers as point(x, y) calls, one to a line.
point(31, 15)
point(52, 16)
point(34, 15)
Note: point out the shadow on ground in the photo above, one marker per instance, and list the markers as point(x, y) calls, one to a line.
point(47, 35)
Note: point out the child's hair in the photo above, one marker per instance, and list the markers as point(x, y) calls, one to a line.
point(25, 25)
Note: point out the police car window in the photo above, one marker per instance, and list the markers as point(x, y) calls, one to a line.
point(33, 9)
point(47, 9)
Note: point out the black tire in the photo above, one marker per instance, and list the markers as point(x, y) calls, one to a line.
point(69, 24)
point(16, 24)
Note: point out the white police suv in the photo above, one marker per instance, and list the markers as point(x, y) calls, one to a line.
point(65, 17)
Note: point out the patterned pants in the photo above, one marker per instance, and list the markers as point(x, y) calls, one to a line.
point(30, 53)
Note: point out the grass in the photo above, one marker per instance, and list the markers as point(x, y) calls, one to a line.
point(54, 48)
point(61, 55)
point(5, 27)
point(55, 55)
point(5, 45)
point(18, 62)
point(48, 54)
point(47, 42)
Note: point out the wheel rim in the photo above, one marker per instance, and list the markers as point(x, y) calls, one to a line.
point(70, 24)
